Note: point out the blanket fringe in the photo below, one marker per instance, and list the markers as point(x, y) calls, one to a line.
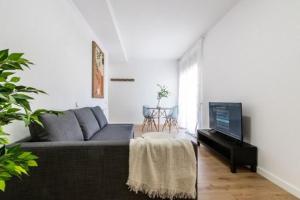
point(159, 192)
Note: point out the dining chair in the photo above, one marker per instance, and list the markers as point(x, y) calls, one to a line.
point(149, 121)
point(171, 119)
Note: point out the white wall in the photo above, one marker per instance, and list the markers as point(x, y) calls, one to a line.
point(127, 98)
point(54, 35)
point(253, 56)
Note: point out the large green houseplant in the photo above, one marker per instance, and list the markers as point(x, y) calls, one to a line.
point(14, 105)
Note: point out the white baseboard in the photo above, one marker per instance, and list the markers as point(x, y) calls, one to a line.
point(278, 181)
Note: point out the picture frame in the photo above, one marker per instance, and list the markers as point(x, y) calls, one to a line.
point(98, 62)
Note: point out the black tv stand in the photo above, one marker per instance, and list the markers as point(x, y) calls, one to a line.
point(237, 153)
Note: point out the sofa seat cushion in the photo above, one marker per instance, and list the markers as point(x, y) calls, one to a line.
point(62, 127)
point(87, 122)
point(101, 118)
point(114, 132)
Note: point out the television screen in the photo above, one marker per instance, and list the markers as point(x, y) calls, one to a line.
point(226, 118)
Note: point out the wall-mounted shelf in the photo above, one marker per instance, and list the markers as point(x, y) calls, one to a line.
point(122, 79)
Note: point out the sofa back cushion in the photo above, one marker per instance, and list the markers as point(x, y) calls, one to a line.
point(98, 112)
point(87, 121)
point(62, 127)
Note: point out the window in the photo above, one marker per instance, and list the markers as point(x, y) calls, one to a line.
point(188, 97)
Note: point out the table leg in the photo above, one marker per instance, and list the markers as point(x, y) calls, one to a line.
point(158, 119)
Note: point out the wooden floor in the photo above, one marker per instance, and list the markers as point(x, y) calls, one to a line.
point(216, 182)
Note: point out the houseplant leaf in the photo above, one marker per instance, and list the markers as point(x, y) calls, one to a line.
point(2, 185)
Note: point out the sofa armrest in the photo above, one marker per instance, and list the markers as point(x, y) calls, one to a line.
point(33, 146)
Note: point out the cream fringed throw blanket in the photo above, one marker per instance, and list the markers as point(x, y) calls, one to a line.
point(164, 168)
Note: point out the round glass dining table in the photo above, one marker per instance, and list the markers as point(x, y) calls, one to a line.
point(158, 113)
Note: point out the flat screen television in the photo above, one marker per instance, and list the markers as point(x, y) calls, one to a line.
point(226, 118)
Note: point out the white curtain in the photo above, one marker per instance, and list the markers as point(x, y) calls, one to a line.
point(190, 89)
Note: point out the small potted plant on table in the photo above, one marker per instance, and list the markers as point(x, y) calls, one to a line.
point(162, 93)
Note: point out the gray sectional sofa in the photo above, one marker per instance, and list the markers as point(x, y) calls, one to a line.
point(84, 124)
point(81, 157)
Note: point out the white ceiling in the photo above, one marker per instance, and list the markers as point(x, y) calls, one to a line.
point(151, 29)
